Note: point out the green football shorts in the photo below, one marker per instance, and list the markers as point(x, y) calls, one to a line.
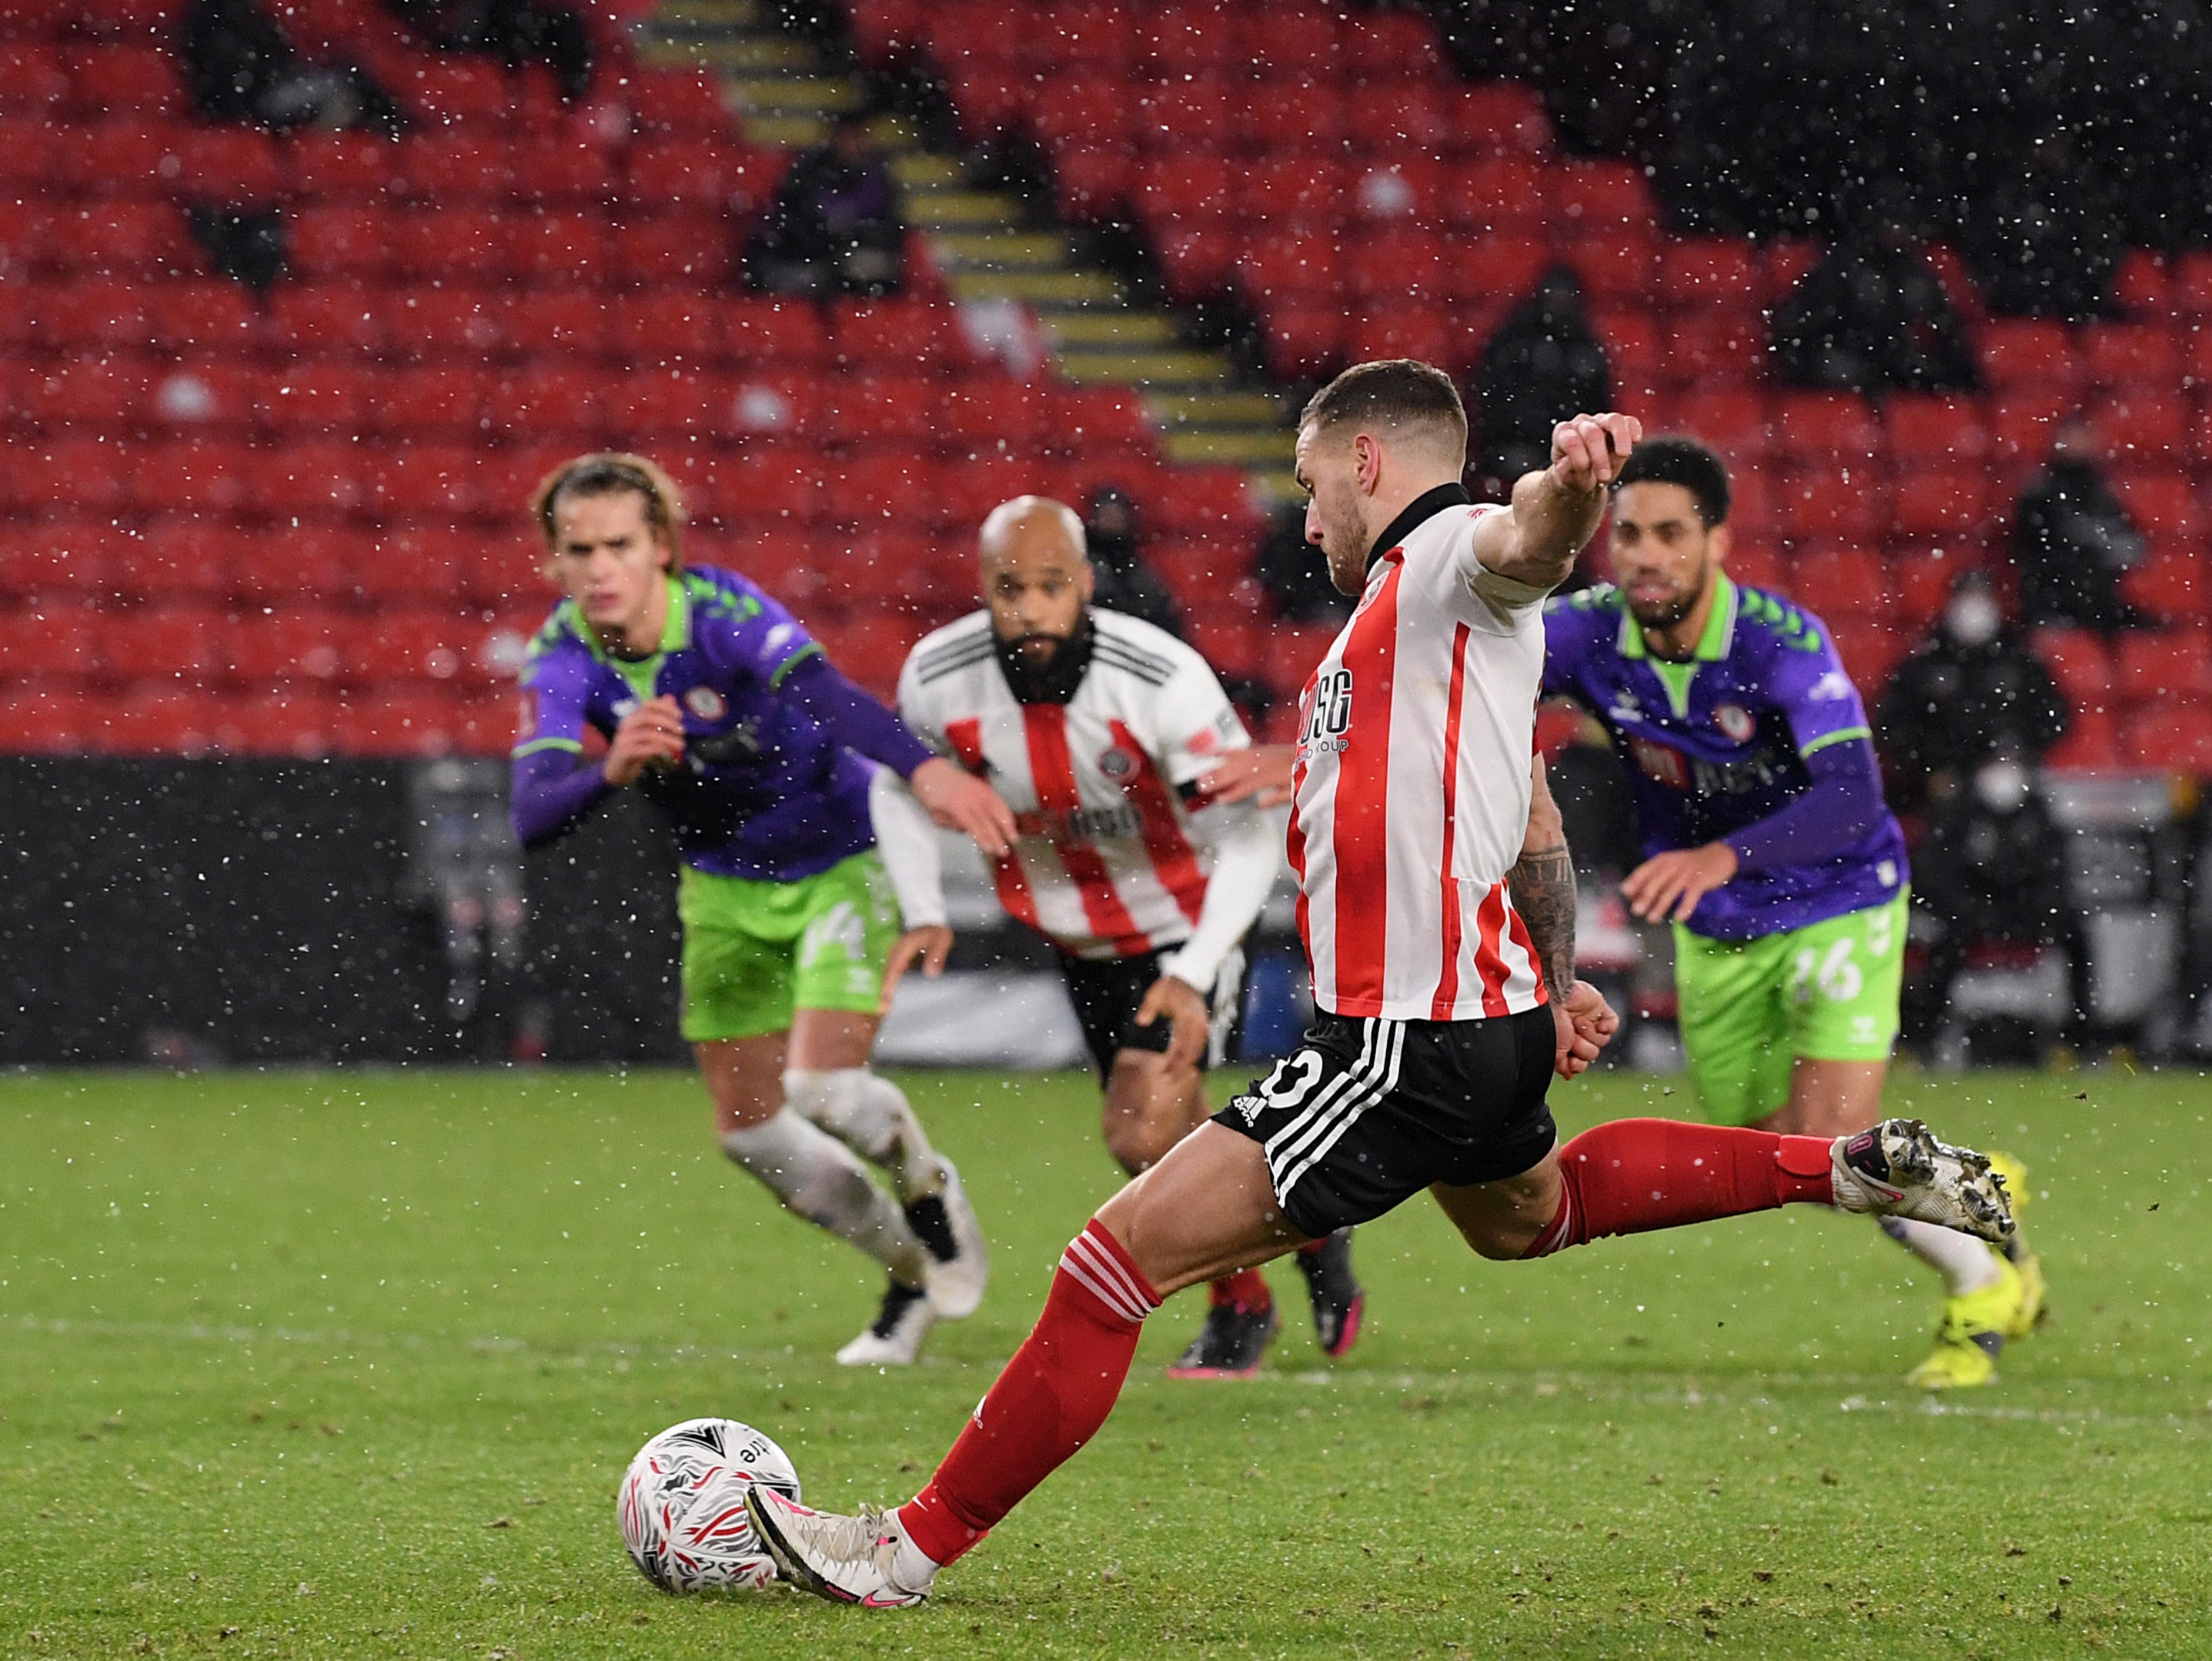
point(753, 952)
point(1748, 1009)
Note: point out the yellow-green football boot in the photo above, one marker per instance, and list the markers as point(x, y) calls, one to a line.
point(1974, 1333)
point(2033, 1309)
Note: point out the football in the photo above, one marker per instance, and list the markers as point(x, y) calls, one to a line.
point(682, 1505)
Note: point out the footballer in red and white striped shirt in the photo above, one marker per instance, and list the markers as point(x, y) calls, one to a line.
point(1098, 730)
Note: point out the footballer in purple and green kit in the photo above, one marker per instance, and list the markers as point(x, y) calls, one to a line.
point(1767, 843)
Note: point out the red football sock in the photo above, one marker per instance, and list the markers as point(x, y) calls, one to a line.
point(1246, 1289)
point(1052, 1396)
point(1636, 1175)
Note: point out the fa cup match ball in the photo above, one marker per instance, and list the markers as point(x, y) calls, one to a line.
point(682, 1505)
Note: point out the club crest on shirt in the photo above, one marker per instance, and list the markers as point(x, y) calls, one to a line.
point(1115, 763)
point(705, 702)
point(1735, 721)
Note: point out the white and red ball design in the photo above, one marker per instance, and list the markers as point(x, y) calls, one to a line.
point(682, 1505)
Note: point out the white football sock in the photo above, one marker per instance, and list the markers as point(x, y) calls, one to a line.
point(1966, 1264)
point(912, 1568)
point(872, 1117)
point(818, 1177)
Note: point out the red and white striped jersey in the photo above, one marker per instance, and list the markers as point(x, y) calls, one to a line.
point(1107, 860)
point(1415, 739)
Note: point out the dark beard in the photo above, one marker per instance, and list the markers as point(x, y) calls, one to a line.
point(1055, 678)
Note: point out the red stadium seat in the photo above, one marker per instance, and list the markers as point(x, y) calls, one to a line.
point(1615, 268)
point(700, 176)
point(167, 644)
point(1189, 39)
point(1070, 117)
point(166, 562)
point(907, 333)
point(276, 569)
point(1716, 348)
point(459, 244)
point(1934, 432)
point(2155, 662)
point(1496, 270)
point(1287, 42)
point(56, 639)
point(188, 477)
point(2092, 744)
point(1291, 265)
point(1497, 118)
point(1407, 263)
point(291, 723)
point(2169, 586)
point(548, 400)
point(88, 394)
point(2081, 663)
point(1841, 582)
point(1092, 182)
point(32, 78)
point(686, 252)
point(232, 165)
point(572, 170)
point(688, 103)
point(312, 318)
point(129, 239)
point(2163, 506)
point(100, 312)
point(1939, 504)
point(565, 321)
point(340, 240)
point(117, 158)
point(469, 323)
point(2024, 353)
point(45, 719)
point(988, 408)
point(2172, 735)
point(1315, 116)
point(2126, 355)
point(1735, 423)
point(1305, 339)
point(434, 400)
point(777, 333)
point(335, 396)
point(1180, 191)
point(1302, 192)
point(2021, 422)
point(202, 315)
point(1818, 503)
point(1829, 428)
point(1498, 193)
point(1418, 328)
point(316, 479)
point(432, 480)
point(336, 168)
point(564, 247)
point(295, 647)
point(154, 718)
point(1709, 273)
point(394, 722)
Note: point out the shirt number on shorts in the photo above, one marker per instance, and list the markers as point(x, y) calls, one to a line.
point(1837, 978)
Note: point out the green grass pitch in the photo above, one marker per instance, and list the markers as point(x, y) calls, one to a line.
point(347, 1364)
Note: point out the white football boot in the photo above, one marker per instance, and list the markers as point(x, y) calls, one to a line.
point(1898, 1169)
point(846, 1560)
point(894, 1337)
point(959, 1266)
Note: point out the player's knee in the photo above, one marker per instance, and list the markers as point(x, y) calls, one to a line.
point(820, 1094)
point(1138, 1142)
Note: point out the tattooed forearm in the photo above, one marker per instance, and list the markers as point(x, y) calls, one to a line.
point(1543, 885)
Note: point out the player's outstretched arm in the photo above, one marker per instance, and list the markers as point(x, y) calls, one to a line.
point(908, 845)
point(1555, 512)
point(1543, 885)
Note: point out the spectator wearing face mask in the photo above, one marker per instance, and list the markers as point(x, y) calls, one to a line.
point(1991, 875)
point(1972, 688)
point(1115, 536)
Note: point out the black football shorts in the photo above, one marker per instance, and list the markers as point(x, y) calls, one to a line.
point(1107, 992)
point(1370, 1112)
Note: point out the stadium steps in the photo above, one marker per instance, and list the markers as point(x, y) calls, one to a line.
point(784, 94)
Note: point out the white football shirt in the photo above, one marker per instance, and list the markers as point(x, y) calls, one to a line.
point(1107, 860)
point(1416, 735)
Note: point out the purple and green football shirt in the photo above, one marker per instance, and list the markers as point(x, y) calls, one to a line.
point(765, 791)
point(1718, 743)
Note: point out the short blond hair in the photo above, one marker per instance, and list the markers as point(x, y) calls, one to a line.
point(610, 472)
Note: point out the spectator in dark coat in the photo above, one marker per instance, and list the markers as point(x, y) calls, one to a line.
point(1543, 363)
point(241, 66)
point(836, 227)
point(1294, 573)
point(1991, 872)
point(1115, 536)
point(1872, 317)
point(1971, 688)
point(516, 32)
point(2073, 541)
